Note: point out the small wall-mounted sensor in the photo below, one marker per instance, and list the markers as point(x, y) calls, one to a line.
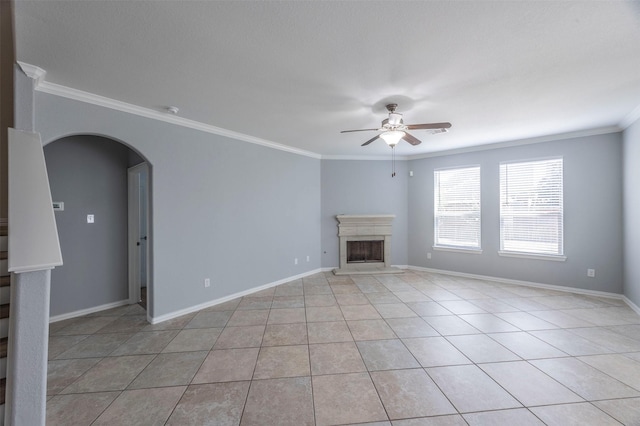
point(58, 206)
point(173, 110)
point(90, 218)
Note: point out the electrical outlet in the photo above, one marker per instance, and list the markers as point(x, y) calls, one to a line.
point(90, 218)
point(207, 282)
point(295, 261)
point(591, 273)
point(429, 256)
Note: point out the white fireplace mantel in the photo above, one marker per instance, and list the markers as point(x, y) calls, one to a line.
point(365, 228)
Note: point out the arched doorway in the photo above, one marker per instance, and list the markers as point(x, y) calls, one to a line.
point(89, 175)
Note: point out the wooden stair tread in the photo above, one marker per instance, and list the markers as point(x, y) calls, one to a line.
point(5, 281)
point(3, 255)
point(4, 311)
point(3, 385)
point(3, 347)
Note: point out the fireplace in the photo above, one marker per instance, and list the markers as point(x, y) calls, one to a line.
point(365, 244)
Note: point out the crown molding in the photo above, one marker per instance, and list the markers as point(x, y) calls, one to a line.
point(40, 85)
point(364, 157)
point(520, 142)
point(631, 118)
point(37, 74)
point(90, 98)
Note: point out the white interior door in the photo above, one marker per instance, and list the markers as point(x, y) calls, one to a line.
point(138, 179)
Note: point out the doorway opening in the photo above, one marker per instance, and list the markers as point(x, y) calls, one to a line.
point(89, 180)
point(138, 192)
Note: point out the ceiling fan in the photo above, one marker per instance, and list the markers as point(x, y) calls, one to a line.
point(393, 129)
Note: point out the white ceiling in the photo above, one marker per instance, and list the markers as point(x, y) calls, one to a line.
point(298, 72)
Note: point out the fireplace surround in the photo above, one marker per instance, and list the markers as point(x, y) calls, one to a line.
point(365, 244)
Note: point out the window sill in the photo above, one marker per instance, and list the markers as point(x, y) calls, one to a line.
point(555, 258)
point(458, 250)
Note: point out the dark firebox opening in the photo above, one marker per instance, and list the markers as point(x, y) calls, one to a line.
point(365, 251)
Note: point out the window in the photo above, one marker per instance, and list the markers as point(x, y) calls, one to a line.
point(457, 208)
point(531, 210)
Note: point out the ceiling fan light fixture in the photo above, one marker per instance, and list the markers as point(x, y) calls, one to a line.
point(392, 137)
point(395, 119)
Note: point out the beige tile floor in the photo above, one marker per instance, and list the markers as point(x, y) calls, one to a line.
point(410, 349)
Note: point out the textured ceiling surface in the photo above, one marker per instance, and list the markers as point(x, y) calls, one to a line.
point(297, 72)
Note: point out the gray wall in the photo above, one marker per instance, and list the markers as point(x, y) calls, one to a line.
point(592, 208)
point(363, 187)
point(224, 209)
point(631, 155)
point(89, 174)
point(219, 205)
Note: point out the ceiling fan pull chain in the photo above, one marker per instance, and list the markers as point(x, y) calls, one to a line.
point(393, 162)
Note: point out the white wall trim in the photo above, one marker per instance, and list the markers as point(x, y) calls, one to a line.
point(457, 250)
point(366, 157)
point(33, 241)
point(35, 73)
point(175, 314)
point(520, 142)
point(400, 266)
point(90, 98)
point(38, 74)
point(524, 283)
point(631, 118)
point(88, 311)
point(632, 305)
point(521, 255)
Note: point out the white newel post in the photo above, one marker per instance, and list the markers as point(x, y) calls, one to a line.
point(34, 250)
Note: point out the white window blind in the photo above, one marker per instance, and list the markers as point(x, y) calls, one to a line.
point(531, 207)
point(457, 208)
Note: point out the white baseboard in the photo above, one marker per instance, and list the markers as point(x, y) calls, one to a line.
point(88, 311)
point(525, 283)
point(175, 314)
point(632, 305)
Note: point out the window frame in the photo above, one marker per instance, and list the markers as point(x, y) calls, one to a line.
point(561, 257)
point(436, 191)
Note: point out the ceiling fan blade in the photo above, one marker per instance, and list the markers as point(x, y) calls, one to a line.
point(359, 130)
point(411, 139)
point(429, 126)
point(371, 140)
